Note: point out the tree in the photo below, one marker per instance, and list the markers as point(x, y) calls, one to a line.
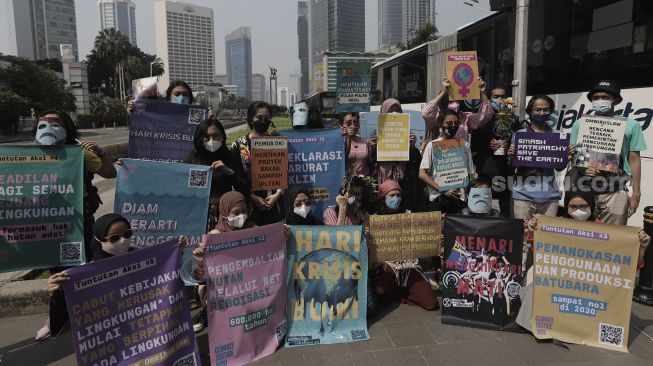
point(419, 36)
point(12, 106)
point(53, 64)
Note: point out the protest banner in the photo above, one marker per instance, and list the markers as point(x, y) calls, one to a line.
point(599, 142)
point(462, 71)
point(541, 149)
point(482, 271)
point(269, 163)
point(583, 280)
point(131, 310)
point(353, 86)
point(327, 285)
point(41, 207)
point(163, 201)
point(163, 131)
point(369, 125)
point(405, 236)
point(316, 162)
point(450, 163)
point(246, 273)
point(145, 88)
point(394, 137)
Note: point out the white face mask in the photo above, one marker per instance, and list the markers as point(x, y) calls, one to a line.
point(117, 248)
point(237, 222)
point(302, 210)
point(212, 145)
point(579, 214)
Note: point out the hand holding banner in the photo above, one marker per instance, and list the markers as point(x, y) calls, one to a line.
point(541, 150)
point(269, 163)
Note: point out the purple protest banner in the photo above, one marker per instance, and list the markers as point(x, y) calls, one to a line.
point(246, 279)
point(540, 149)
point(131, 310)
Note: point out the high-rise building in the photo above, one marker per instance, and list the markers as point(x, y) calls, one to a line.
point(221, 79)
point(302, 41)
point(238, 52)
point(258, 87)
point(416, 14)
point(294, 82)
point(120, 15)
point(283, 96)
point(390, 23)
point(184, 42)
point(40, 26)
point(334, 26)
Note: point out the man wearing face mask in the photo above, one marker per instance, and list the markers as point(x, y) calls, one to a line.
point(210, 150)
point(613, 204)
point(479, 199)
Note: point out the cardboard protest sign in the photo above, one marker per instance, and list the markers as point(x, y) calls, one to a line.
point(541, 149)
point(405, 236)
point(269, 163)
point(131, 310)
point(316, 162)
point(599, 142)
point(394, 137)
point(353, 86)
point(450, 162)
point(583, 279)
point(163, 131)
point(41, 207)
point(145, 88)
point(482, 271)
point(462, 71)
point(163, 201)
point(246, 274)
point(369, 125)
point(327, 285)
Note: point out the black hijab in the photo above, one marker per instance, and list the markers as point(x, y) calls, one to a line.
point(587, 196)
point(201, 155)
point(100, 229)
point(292, 218)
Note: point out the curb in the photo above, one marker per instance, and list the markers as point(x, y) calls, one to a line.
point(24, 298)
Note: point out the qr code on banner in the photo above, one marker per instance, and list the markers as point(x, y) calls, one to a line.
point(357, 335)
point(611, 335)
point(70, 252)
point(280, 331)
point(198, 178)
point(188, 360)
point(196, 116)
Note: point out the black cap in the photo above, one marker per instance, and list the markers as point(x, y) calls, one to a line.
point(608, 86)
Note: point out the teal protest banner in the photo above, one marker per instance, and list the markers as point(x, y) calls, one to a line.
point(327, 285)
point(41, 207)
point(353, 87)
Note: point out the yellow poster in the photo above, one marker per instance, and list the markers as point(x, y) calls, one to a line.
point(462, 71)
point(394, 136)
point(583, 279)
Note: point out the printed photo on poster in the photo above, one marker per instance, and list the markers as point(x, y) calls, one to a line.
point(353, 86)
point(145, 88)
point(599, 142)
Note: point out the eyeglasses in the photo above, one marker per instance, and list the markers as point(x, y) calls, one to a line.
point(584, 207)
point(115, 237)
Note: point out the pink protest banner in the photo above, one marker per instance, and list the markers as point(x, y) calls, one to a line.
point(245, 275)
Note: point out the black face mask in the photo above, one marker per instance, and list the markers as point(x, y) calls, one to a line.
point(451, 129)
point(261, 126)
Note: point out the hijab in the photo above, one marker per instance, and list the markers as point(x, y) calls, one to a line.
point(100, 229)
point(201, 155)
point(587, 196)
point(388, 103)
point(227, 202)
point(292, 218)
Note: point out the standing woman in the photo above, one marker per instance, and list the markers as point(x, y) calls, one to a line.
point(178, 92)
point(210, 149)
point(268, 207)
point(356, 148)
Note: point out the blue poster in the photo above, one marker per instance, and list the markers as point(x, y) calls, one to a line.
point(370, 124)
point(163, 131)
point(327, 285)
point(353, 86)
point(163, 201)
point(316, 162)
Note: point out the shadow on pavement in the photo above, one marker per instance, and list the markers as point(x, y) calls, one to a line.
point(28, 352)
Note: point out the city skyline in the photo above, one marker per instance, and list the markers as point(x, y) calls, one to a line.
point(238, 56)
point(120, 15)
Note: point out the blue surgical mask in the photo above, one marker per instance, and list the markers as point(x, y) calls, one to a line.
point(180, 99)
point(393, 202)
point(497, 103)
point(602, 107)
point(540, 119)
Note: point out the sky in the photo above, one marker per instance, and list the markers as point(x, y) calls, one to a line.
point(273, 24)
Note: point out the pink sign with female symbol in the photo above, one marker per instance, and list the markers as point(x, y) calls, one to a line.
point(462, 70)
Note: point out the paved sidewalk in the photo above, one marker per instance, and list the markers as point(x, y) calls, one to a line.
point(401, 336)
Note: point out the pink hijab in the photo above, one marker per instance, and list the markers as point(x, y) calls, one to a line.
point(385, 107)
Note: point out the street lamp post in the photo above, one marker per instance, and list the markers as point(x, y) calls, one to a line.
point(151, 64)
point(520, 70)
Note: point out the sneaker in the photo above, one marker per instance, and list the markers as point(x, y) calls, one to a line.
point(200, 321)
point(43, 333)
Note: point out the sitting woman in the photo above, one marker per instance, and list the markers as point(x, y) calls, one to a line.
point(351, 206)
point(404, 279)
point(300, 200)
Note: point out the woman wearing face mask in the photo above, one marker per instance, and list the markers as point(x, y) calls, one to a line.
point(404, 279)
point(178, 92)
point(451, 201)
point(356, 149)
point(267, 204)
point(535, 190)
point(211, 150)
point(111, 237)
point(404, 172)
point(301, 213)
point(350, 207)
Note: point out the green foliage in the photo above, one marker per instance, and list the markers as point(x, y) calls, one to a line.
point(419, 36)
point(12, 106)
point(86, 120)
